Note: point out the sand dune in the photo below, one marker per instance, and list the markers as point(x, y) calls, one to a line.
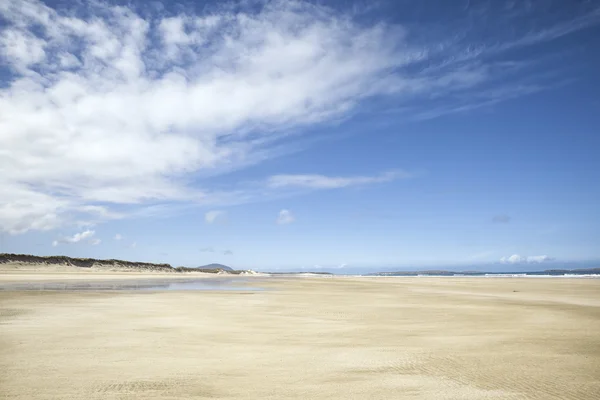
point(334, 338)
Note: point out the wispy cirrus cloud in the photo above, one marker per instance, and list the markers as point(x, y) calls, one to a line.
point(314, 181)
point(554, 23)
point(104, 108)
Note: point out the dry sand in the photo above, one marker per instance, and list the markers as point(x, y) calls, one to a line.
point(308, 338)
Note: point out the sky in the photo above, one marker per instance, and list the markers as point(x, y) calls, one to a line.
point(332, 136)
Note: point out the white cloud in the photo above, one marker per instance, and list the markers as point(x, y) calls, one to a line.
point(22, 209)
point(22, 48)
point(120, 109)
point(539, 259)
point(215, 216)
point(285, 217)
point(328, 182)
point(95, 242)
point(118, 236)
point(514, 259)
point(122, 119)
point(76, 238)
point(80, 236)
point(517, 259)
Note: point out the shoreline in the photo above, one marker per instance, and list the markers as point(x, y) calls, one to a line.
point(22, 272)
point(58, 274)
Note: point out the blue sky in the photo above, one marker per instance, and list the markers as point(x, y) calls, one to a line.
point(337, 136)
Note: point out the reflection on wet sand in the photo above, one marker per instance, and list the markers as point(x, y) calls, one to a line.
point(226, 284)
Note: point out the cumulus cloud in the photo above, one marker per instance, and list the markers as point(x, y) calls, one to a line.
point(78, 237)
point(285, 217)
point(118, 236)
point(332, 182)
point(95, 242)
point(514, 259)
point(517, 259)
point(104, 105)
point(501, 219)
point(539, 259)
point(215, 216)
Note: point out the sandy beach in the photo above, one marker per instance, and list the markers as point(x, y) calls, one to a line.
point(307, 338)
point(19, 272)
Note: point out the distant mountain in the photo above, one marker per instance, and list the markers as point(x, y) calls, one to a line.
point(216, 266)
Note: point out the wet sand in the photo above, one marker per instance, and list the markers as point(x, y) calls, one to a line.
point(308, 338)
point(18, 272)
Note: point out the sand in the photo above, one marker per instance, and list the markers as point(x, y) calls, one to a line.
point(308, 338)
point(22, 272)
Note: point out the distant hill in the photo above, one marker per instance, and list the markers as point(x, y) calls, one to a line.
point(576, 271)
point(215, 266)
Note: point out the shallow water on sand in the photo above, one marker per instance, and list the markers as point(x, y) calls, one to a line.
point(218, 284)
